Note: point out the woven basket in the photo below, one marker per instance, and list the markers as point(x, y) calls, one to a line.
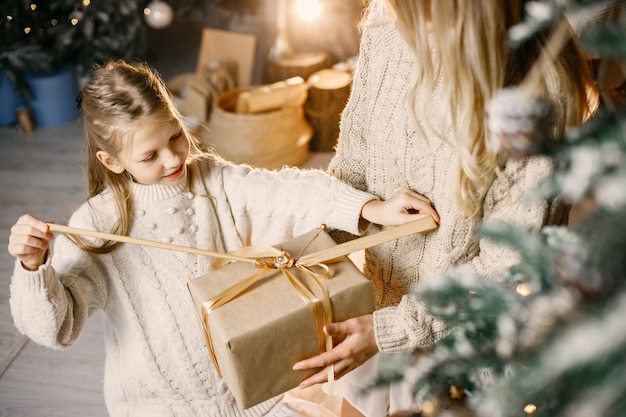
point(267, 140)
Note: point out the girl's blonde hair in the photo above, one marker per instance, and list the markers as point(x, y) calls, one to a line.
point(470, 39)
point(117, 97)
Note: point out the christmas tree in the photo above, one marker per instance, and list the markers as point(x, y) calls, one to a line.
point(40, 35)
point(549, 337)
point(37, 36)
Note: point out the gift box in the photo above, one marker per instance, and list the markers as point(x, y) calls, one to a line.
point(261, 317)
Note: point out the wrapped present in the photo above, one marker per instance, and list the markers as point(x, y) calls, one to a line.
point(261, 317)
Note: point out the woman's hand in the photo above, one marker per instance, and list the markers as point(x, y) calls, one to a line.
point(30, 241)
point(403, 207)
point(357, 345)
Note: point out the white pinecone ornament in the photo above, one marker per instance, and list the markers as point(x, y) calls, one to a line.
point(517, 124)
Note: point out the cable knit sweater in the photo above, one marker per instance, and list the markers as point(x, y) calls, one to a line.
point(379, 151)
point(157, 363)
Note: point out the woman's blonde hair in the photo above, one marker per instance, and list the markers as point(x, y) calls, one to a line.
point(470, 39)
point(117, 97)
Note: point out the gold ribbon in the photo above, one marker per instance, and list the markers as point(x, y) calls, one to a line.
point(269, 259)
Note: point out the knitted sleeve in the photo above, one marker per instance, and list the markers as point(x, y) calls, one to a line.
point(406, 327)
point(52, 304)
point(269, 206)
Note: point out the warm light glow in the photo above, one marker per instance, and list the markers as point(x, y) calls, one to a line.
point(530, 408)
point(54, 22)
point(147, 11)
point(33, 7)
point(74, 21)
point(429, 408)
point(308, 10)
point(27, 30)
point(86, 3)
point(9, 18)
point(524, 289)
point(472, 292)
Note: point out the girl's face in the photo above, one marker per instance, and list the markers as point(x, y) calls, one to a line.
point(156, 155)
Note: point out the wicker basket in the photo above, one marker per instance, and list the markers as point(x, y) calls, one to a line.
point(267, 140)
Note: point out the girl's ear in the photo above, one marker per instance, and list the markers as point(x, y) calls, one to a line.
point(111, 163)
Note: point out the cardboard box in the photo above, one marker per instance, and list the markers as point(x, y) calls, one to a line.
point(234, 50)
point(260, 334)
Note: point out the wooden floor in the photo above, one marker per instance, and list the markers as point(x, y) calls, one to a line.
point(41, 175)
point(42, 382)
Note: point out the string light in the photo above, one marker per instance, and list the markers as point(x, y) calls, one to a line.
point(54, 22)
point(429, 408)
point(27, 30)
point(74, 21)
point(530, 408)
point(524, 289)
point(472, 292)
point(9, 18)
point(86, 3)
point(33, 7)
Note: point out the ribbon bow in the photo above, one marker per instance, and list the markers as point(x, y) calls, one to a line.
point(269, 259)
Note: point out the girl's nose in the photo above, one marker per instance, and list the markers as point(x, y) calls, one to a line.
point(171, 159)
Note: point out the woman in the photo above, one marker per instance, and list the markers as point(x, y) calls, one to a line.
point(416, 118)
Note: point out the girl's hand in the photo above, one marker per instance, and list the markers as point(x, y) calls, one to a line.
point(30, 241)
point(403, 207)
point(358, 345)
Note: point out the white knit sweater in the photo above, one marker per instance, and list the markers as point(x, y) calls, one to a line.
point(379, 151)
point(157, 363)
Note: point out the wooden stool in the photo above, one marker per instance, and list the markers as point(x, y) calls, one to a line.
point(298, 64)
point(328, 94)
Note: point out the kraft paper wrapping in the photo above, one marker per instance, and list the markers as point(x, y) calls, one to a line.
point(259, 335)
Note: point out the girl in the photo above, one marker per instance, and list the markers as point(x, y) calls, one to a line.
point(416, 118)
point(149, 178)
